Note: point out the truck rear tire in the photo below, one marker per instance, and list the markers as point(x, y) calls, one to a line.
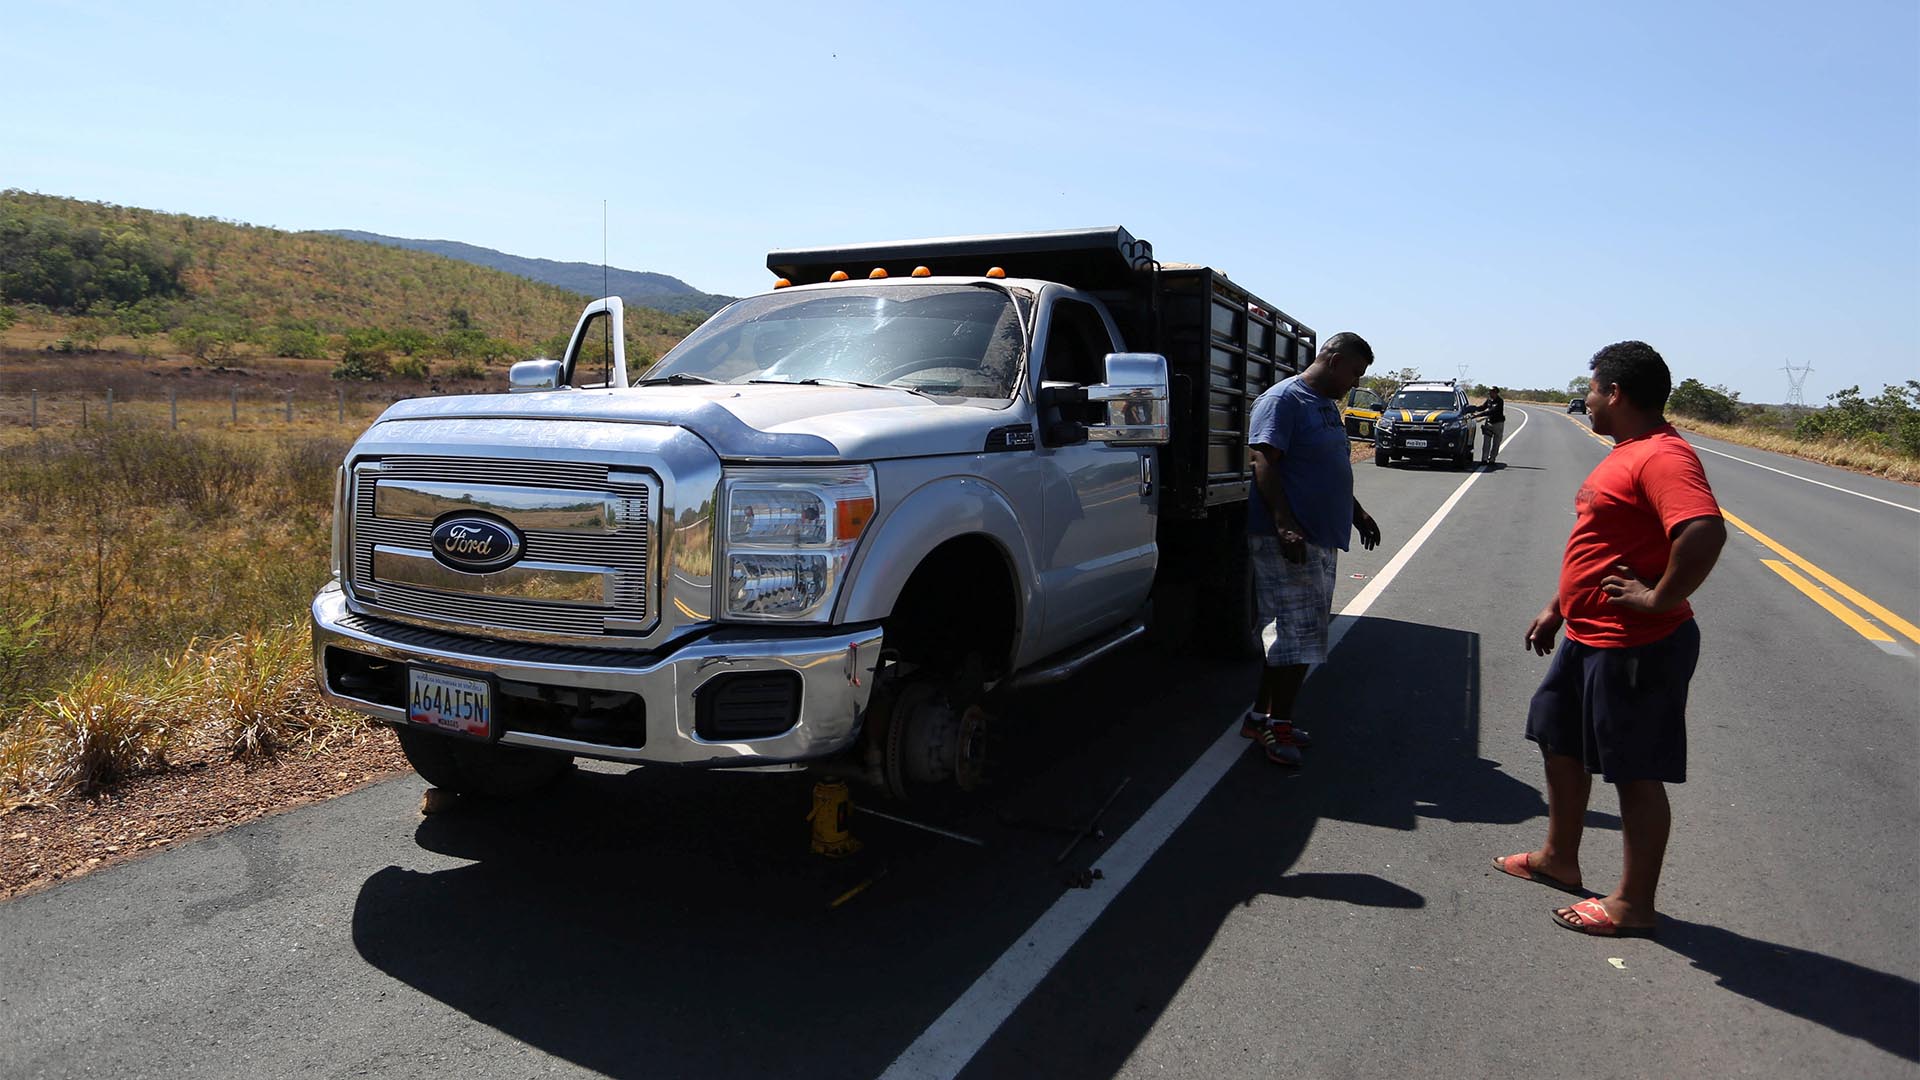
point(486, 770)
point(1382, 458)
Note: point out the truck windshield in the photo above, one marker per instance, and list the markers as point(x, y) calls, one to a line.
point(1423, 399)
point(940, 340)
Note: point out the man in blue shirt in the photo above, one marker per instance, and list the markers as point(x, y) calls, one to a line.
point(1300, 514)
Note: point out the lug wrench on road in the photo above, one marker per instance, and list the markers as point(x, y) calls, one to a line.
point(1087, 829)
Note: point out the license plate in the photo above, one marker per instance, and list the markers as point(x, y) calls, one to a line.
point(450, 703)
point(1421, 443)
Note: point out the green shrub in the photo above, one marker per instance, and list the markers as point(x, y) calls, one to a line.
point(298, 340)
point(1890, 419)
point(466, 368)
point(410, 367)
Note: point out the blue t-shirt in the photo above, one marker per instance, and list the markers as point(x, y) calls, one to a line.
point(1316, 471)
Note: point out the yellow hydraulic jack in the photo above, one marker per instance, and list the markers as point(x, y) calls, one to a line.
point(832, 805)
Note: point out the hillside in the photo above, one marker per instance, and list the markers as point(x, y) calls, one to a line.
point(84, 276)
point(636, 287)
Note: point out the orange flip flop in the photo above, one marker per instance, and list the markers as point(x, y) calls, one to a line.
point(1520, 867)
point(1589, 918)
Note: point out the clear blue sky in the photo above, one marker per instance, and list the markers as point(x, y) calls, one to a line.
point(1507, 187)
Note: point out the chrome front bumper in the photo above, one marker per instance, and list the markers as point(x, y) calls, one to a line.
point(835, 666)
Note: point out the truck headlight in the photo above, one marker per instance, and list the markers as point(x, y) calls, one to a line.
point(790, 533)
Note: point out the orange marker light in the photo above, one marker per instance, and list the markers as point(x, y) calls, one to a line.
point(782, 283)
point(851, 516)
point(996, 272)
point(837, 275)
point(878, 272)
point(921, 271)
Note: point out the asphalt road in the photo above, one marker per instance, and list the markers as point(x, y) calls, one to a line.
point(1341, 921)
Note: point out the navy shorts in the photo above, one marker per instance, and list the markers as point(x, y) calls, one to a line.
point(1622, 712)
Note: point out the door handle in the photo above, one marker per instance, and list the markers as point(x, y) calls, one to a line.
point(1146, 476)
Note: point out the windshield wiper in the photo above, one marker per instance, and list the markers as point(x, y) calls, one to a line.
point(678, 378)
point(841, 382)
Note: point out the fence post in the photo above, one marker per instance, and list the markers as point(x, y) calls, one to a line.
point(173, 410)
point(36, 408)
point(289, 406)
point(340, 403)
point(233, 405)
point(83, 414)
point(109, 404)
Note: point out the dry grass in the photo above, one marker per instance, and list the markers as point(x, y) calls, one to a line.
point(1846, 455)
point(248, 696)
point(153, 590)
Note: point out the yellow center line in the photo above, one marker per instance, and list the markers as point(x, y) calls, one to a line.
point(1824, 578)
point(1834, 607)
point(1859, 600)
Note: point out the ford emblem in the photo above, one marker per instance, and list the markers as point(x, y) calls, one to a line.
point(476, 544)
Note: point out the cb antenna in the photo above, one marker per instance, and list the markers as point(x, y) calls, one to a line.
point(607, 356)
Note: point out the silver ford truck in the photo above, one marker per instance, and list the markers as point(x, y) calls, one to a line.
point(836, 526)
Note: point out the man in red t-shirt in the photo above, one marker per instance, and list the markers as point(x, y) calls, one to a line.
point(1614, 701)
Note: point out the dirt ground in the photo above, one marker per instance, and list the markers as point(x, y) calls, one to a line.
point(43, 845)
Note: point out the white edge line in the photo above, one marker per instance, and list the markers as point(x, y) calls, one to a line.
point(1808, 479)
point(952, 1040)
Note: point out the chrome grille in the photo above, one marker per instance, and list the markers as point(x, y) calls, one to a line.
point(626, 550)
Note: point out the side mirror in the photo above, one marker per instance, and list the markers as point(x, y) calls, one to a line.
point(1135, 395)
point(530, 375)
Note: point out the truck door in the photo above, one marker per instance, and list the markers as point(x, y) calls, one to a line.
point(1099, 501)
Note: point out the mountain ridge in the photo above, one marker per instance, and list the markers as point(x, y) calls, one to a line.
point(641, 288)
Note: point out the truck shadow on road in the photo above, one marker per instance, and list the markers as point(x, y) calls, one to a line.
point(1396, 716)
point(672, 923)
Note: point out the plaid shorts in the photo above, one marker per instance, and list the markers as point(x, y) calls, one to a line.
point(1294, 601)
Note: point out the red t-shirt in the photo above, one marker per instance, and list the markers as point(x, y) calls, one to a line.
point(1626, 511)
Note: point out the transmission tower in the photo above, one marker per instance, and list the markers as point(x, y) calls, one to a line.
point(1796, 383)
point(1463, 375)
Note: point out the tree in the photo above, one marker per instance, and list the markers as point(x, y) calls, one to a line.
point(1716, 404)
point(1387, 384)
point(365, 357)
point(1577, 387)
point(409, 341)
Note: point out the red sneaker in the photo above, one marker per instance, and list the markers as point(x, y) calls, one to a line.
point(1280, 753)
point(1251, 724)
